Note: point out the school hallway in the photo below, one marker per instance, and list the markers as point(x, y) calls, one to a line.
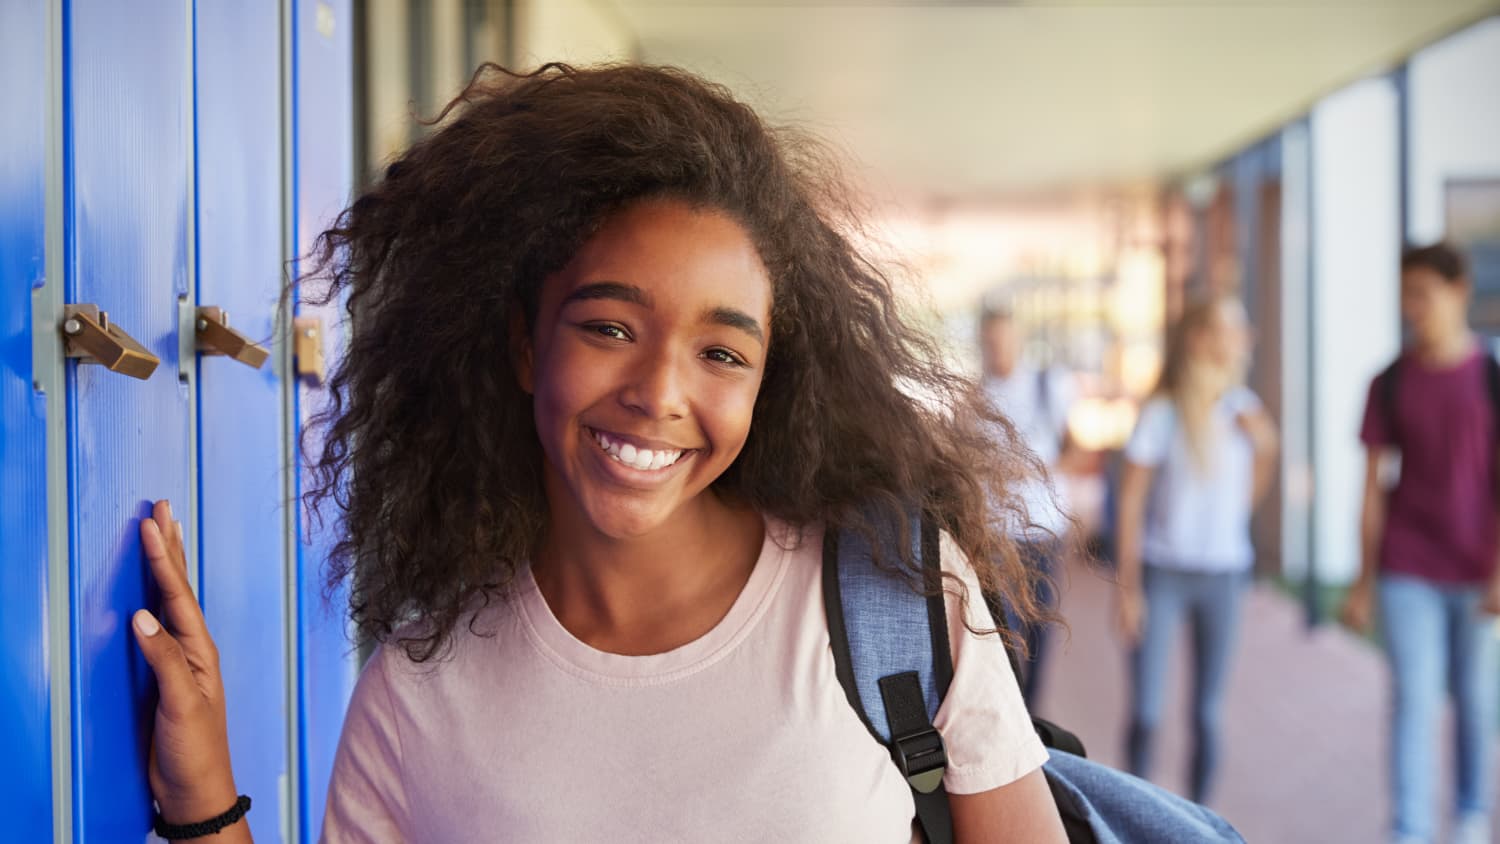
point(1303, 754)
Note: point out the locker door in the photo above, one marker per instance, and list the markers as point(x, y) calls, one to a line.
point(242, 580)
point(127, 243)
point(323, 121)
point(25, 695)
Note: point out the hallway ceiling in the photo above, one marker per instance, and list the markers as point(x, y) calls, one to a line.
point(970, 100)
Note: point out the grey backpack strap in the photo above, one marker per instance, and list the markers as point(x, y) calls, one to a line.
point(893, 679)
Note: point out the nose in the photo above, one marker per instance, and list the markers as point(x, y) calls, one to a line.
point(657, 388)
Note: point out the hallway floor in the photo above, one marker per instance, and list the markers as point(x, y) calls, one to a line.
point(1303, 757)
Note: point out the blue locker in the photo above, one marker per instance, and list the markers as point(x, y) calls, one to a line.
point(323, 146)
point(25, 694)
point(127, 156)
point(243, 572)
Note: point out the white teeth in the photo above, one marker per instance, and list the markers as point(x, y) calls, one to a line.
point(643, 459)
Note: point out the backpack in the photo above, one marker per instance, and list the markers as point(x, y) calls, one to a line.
point(1056, 421)
point(892, 657)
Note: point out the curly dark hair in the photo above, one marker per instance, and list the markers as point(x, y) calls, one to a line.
point(428, 443)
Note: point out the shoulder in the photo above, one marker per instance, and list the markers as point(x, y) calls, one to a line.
point(390, 673)
point(1485, 358)
point(409, 670)
point(1060, 382)
point(1389, 372)
point(1242, 399)
point(1156, 414)
point(1151, 438)
point(983, 720)
point(1156, 405)
point(402, 714)
point(1383, 383)
point(995, 387)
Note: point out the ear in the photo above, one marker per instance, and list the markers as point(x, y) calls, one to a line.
point(521, 351)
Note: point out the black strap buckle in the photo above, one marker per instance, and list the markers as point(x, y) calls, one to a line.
point(922, 759)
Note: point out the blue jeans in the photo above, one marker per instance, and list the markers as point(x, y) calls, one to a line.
point(1211, 601)
point(1437, 640)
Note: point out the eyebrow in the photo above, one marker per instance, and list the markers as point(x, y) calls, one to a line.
point(735, 318)
point(629, 293)
point(610, 290)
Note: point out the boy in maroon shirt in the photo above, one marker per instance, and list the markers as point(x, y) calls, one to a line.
point(1429, 546)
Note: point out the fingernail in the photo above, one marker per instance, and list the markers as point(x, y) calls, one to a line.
point(167, 506)
point(146, 623)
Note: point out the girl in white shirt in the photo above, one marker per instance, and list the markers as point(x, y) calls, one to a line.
point(1200, 458)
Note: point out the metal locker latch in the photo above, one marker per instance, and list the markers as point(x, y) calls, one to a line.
point(91, 338)
point(308, 347)
point(215, 337)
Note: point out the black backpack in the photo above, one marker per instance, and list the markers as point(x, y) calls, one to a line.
point(891, 654)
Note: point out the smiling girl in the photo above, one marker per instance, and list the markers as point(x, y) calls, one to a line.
point(616, 371)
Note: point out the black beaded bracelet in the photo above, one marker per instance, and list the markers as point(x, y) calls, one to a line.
point(212, 826)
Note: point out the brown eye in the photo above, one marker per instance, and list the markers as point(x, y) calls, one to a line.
point(724, 356)
point(608, 329)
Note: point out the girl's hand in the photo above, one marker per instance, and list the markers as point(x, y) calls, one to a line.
point(1130, 615)
point(190, 773)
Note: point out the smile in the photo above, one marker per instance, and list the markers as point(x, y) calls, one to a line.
point(640, 459)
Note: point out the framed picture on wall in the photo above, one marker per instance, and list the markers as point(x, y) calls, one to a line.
point(1472, 221)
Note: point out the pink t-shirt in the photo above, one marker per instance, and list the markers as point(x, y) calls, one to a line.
point(741, 735)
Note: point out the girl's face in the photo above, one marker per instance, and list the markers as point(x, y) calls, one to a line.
point(1225, 339)
point(645, 360)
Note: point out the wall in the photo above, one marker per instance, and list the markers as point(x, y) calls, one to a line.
point(1454, 112)
point(574, 31)
point(1355, 275)
point(1296, 351)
